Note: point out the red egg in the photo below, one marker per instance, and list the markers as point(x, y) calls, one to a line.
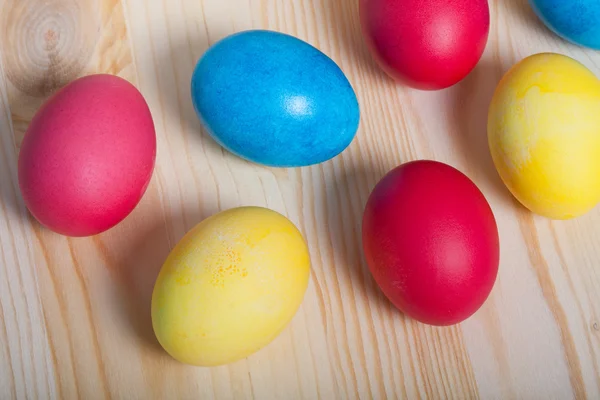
point(87, 156)
point(431, 242)
point(427, 44)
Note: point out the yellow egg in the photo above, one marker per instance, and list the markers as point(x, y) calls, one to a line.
point(230, 286)
point(544, 135)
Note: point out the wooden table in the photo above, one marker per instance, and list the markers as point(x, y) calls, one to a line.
point(74, 313)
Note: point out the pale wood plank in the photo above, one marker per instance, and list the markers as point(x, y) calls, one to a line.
point(74, 319)
point(26, 357)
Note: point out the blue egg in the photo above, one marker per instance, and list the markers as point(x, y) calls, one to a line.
point(274, 99)
point(577, 21)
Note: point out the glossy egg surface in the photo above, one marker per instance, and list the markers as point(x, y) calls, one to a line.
point(87, 156)
point(431, 242)
point(274, 99)
point(544, 135)
point(574, 20)
point(426, 44)
point(230, 286)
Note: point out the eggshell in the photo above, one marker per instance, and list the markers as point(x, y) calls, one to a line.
point(431, 242)
point(230, 286)
point(426, 44)
point(87, 156)
point(274, 99)
point(574, 20)
point(544, 135)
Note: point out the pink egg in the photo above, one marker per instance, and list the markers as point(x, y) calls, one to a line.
point(88, 156)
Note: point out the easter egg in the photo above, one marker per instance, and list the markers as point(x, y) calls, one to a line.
point(544, 135)
point(275, 100)
point(87, 156)
point(230, 286)
point(577, 21)
point(431, 242)
point(426, 44)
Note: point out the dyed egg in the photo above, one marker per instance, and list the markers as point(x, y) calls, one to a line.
point(543, 133)
point(230, 286)
point(427, 44)
point(274, 100)
point(577, 21)
point(87, 156)
point(431, 242)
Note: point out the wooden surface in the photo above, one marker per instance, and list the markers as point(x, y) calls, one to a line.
point(74, 313)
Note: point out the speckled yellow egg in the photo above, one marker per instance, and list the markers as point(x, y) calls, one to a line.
point(544, 135)
point(230, 286)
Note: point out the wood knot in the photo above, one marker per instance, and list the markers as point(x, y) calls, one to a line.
point(595, 326)
point(46, 44)
point(51, 38)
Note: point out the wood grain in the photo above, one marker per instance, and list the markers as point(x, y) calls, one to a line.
point(74, 313)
